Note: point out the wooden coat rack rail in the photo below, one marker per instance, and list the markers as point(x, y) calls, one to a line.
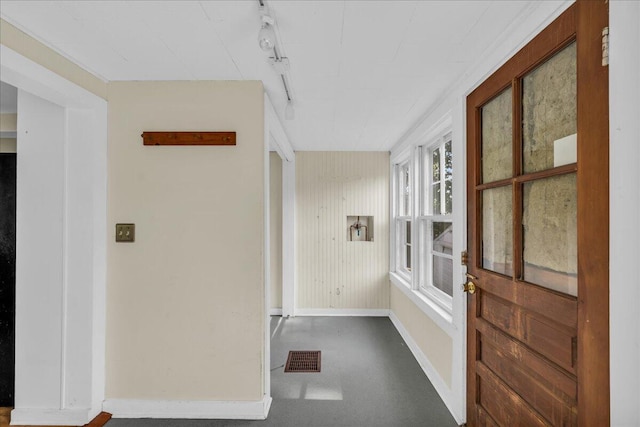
point(189, 138)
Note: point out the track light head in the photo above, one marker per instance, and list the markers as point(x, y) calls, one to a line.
point(267, 36)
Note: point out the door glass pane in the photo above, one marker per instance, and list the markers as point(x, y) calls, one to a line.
point(496, 138)
point(549, 113)
point(550, 233)
point(497, 234)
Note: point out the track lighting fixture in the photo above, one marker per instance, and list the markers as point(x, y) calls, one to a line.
point(267, 36)
point(280, 64)
point(269, 43)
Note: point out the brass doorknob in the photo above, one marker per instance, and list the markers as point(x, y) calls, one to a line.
point(469, 287)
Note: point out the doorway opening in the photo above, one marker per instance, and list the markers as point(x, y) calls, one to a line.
point(8, 159)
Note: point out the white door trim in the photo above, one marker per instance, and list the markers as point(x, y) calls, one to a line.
point(624, 210)
point(80, 292)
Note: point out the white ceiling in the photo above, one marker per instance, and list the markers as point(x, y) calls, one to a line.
point(362, 72)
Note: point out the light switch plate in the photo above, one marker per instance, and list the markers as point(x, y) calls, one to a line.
point(125, 232)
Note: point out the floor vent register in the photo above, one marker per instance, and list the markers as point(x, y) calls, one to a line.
point(303, 361)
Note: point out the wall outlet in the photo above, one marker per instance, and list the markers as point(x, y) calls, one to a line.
point(125, 232)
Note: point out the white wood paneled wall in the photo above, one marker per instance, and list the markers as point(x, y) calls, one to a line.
point(334, 273)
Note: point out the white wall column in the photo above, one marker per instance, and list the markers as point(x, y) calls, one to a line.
point(60, 257)
point(40, 254)
point(85, 236)
point(624, 210)
point(289, 237)
point(281, 144)
point(267, 268)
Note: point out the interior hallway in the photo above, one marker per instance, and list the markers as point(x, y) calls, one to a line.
point(368, 378)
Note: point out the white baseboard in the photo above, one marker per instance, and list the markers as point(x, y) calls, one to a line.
point(367, 312)
point(438, 382)
point(266, 402)
point(275, 312)
point(226, 410)
point(51, 417)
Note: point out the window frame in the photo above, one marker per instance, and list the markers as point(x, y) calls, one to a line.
point(446, 314)
point(400, 219)
point(426, 217)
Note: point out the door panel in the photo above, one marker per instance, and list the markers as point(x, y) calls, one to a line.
point(555, 379)
point(527, 125)
point(503, 404)
point(536, 331)
point(551, 405)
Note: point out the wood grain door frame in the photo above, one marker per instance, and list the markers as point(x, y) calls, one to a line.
point(584, 22)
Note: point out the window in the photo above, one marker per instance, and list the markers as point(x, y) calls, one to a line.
point(435, 219)
point(402, 210)
point(423, 223)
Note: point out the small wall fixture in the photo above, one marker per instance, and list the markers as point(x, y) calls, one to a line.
point(360, 228)
point(126, 233)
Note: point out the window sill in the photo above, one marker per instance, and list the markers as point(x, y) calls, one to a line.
point(436, 313)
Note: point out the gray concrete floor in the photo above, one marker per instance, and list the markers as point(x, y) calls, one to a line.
point(369, 378)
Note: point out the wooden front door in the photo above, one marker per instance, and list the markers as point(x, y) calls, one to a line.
point(538, 229)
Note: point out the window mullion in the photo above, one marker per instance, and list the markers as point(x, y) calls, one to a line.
point(415, 209)
point(443, 180)
point(426, 159)
point(438, 218)
point(428, 254)
point(441, 255)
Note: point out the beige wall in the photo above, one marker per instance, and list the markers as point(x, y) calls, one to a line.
point(185, 301)
point(8, 122)
point(8, 145)
point(332, 272)
point(29, 47)
point(432, 340)
point(275, 231)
